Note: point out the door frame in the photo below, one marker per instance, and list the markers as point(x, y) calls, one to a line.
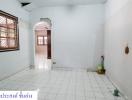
point(33, 58)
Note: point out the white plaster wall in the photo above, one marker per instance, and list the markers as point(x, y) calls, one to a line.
point(118, 33)
point(14, 61)
point(77, 34)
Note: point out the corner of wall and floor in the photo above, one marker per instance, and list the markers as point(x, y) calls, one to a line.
point(118, 34)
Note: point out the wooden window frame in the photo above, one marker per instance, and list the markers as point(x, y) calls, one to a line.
point(16, 32)
point(38, 40)
point(43, 40)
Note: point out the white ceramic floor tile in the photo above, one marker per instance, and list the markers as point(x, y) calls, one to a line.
point(62, 84)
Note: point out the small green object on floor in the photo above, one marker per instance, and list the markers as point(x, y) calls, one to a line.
point(116, 93)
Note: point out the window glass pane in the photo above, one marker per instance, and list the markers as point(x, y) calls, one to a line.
point(3, 29)
point(3, 42)
point(11, 31)
point(3, 34)
point(2, 21)
point(40, 40)
point(11, 35)
point(45, 40)
point(12, 42)
point(10, 23)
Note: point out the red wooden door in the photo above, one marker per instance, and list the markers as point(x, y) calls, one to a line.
point(49, 44)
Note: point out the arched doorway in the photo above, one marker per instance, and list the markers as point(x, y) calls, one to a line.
point(43, 45)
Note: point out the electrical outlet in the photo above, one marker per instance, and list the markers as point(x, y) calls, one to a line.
point(54, 62)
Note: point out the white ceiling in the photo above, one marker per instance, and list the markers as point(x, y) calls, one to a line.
point(41, 3)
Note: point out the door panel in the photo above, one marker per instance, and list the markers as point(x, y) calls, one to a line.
point(49, 44)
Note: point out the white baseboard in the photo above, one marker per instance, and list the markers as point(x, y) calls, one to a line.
point(68, 68)
point(25, 68)
point(116, 86)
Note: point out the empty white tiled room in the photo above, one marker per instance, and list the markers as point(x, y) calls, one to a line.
point(66, 49)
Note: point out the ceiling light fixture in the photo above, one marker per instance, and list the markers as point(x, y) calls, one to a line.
point(25, 4)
